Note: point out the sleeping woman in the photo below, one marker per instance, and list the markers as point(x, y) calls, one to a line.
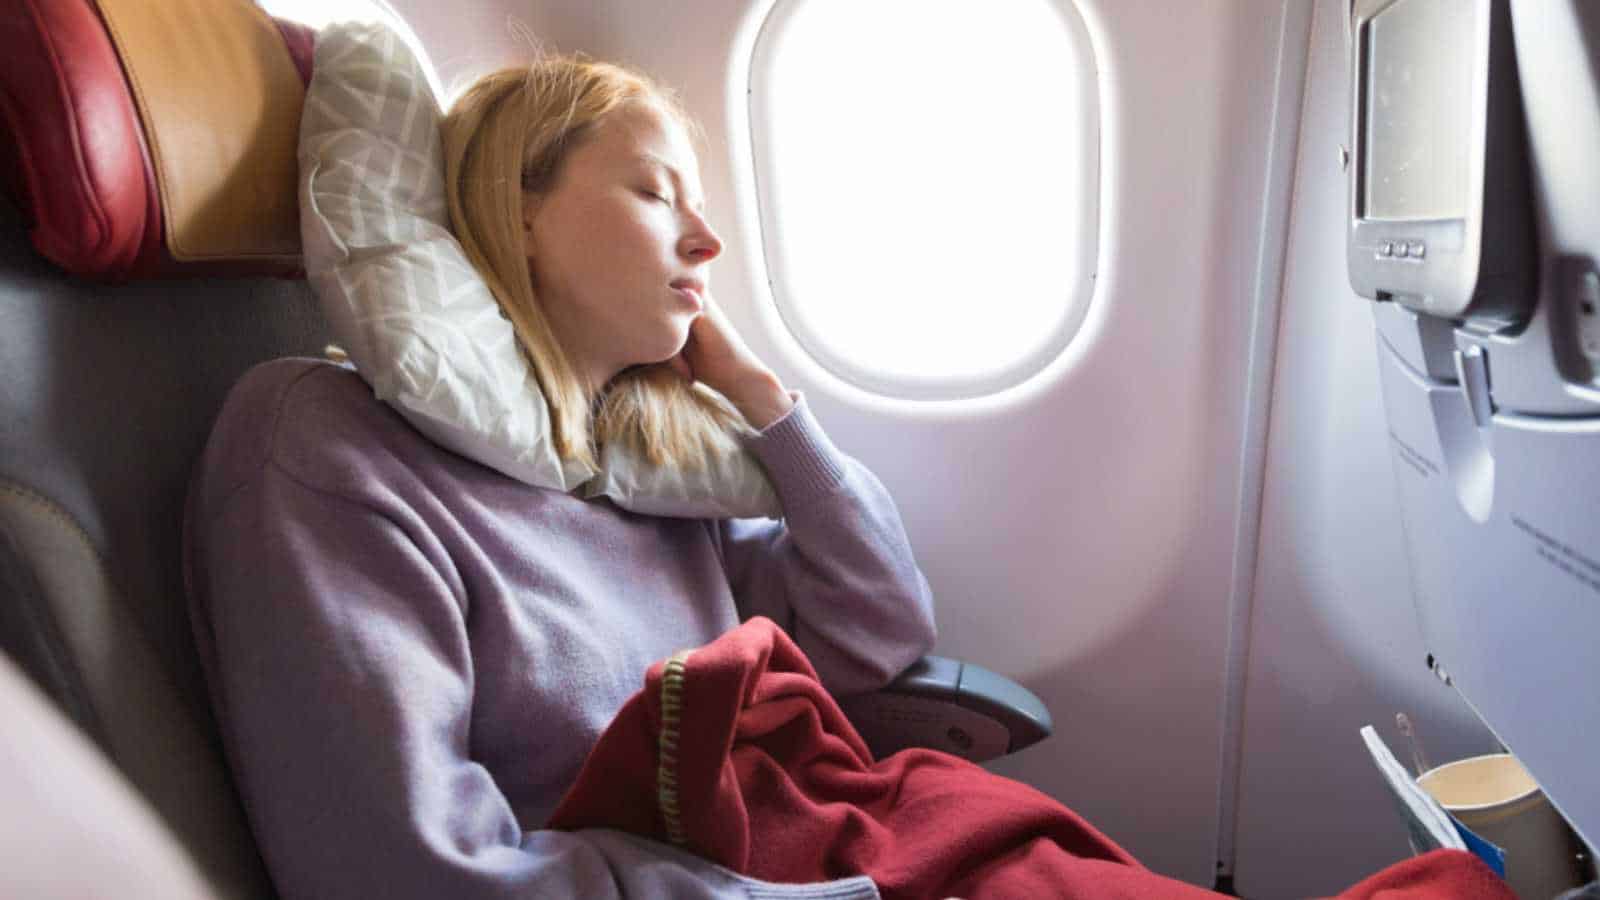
point(410, 653)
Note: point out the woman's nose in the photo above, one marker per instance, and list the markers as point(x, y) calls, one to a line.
point(701, 244)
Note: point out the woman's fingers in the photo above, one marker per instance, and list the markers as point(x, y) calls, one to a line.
point(715, 352)
point(719, 358)
point(713, 332)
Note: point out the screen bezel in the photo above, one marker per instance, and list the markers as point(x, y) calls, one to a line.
point(1444, 282)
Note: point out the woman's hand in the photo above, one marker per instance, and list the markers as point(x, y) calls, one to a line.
point(716, 356)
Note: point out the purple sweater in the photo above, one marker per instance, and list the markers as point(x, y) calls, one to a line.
point(411, 654)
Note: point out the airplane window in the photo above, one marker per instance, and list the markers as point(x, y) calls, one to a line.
point(927, 175)
point(321, 13)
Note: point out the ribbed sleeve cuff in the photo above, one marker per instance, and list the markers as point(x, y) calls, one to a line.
point(800, 460)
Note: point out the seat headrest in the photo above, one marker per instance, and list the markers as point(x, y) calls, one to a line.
point(149, 139)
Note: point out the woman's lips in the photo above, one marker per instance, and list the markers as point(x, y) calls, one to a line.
point(691, 290)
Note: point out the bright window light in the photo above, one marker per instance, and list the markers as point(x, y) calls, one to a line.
point(927, 172)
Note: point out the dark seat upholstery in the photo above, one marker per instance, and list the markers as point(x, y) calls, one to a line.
point(107, 393)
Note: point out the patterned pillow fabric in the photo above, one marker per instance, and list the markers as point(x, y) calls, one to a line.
point(416, 319)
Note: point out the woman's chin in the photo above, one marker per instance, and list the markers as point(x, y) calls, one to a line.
point(662, 345)
point(679, 339)
point(662, 353)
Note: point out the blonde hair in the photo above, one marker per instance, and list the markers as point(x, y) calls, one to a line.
point(507, 134)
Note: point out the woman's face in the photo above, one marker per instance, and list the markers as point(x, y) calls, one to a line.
point(618, 245)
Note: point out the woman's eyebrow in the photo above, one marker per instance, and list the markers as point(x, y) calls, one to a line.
point(651, 159)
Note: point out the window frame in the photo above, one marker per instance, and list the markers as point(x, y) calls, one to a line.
point(791, 308)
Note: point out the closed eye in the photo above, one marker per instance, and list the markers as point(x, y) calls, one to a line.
point(655, 196)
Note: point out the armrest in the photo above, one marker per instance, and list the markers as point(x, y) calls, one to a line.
point(949, 705)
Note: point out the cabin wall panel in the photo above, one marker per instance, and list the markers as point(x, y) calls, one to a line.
point(1334, 642)
point(467, 38)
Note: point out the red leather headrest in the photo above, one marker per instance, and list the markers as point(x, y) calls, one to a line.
point(154, 137)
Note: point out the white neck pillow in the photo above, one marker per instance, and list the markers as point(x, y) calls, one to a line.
point(416, 319)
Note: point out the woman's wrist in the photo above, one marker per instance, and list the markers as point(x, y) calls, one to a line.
point(762, 400)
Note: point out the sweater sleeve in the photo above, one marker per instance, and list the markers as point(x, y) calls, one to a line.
point(337, 652)
point(837, 571)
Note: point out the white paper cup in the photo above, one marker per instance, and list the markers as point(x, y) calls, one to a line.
point(1496, 797)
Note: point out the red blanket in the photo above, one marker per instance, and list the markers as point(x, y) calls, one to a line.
point(736, 752)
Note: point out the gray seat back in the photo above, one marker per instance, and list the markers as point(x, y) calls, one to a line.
point(107, 393)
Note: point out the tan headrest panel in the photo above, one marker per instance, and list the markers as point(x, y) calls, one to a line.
point(221, 115)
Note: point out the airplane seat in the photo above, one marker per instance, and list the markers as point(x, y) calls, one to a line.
point(131, 301)
point(145, 265)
